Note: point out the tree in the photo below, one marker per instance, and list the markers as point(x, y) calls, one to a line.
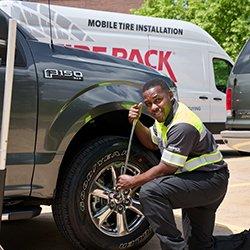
point(226, 20)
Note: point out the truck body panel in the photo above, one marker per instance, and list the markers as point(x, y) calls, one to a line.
point(23, 121)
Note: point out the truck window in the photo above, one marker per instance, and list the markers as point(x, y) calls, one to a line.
point(3, 52)
point(19, 56)
point(222, 69)
point(19, 59)
point(242, 65)
point(3, 39)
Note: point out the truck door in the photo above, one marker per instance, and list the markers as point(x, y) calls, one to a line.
point(220, 70)
point(22, 131)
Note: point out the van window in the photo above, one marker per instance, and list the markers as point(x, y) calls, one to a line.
point(242, 65)
point(222, 70)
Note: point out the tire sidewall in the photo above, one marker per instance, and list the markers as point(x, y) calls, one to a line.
point(88, 167)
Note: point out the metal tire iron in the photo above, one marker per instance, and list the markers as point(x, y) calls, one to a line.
point(124, 168)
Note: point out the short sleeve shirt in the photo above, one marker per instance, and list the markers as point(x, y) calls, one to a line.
point(181, 140)
point(183, 143)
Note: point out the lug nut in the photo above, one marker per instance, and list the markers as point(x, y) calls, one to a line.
point(127, 201)
point(112, 204)
point(111, 195)
point(126, 191)
point(120, 208)
point(117, 196)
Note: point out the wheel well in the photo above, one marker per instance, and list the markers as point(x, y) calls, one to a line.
point(112, 123)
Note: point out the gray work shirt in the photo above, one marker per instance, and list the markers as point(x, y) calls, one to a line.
point(184, 139)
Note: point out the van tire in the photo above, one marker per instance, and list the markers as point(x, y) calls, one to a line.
point(77, 201)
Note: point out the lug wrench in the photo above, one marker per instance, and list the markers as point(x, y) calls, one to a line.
point(124, 168)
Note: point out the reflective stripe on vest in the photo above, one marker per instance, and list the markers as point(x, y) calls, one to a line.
point(176, 159)
point(201, 161)
point(185, 115)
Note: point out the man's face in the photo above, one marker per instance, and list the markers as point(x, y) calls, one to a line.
point(158, 102)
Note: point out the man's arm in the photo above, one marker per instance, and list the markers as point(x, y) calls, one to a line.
point(181, 139)
point(144, 136)
point(141, 131)
point(127, 181)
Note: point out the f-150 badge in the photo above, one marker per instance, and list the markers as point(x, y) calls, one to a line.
point(63, 74)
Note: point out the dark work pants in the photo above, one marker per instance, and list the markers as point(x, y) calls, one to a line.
point(198, 194)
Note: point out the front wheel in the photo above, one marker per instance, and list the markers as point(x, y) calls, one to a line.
point(88, 209)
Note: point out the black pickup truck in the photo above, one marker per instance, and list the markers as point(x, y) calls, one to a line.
point(68, 139)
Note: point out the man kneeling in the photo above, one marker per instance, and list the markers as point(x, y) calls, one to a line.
point(191, 174)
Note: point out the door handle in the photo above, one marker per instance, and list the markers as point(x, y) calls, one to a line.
point(203, 97)
point(217, 99)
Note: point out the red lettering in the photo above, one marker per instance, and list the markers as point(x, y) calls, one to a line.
point(135, 54)
point(82, 47)
point(163, 60)
point(99, 49)
point(119, 52)
point(147, 55)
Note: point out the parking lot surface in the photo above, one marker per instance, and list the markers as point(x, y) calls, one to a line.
point(232, 216)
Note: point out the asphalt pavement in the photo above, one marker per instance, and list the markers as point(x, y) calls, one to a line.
point(232, 216)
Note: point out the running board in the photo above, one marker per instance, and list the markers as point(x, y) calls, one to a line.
point(23, 213)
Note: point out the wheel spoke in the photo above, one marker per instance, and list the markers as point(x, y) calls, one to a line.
point(121, 223)
point(103, 214)
point(114, 176)
point(122, 170)
point(138, 172)
point(136, 207)
point(101, 186)
point(100, 193)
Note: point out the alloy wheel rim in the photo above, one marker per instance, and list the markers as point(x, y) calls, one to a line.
point(115, 213)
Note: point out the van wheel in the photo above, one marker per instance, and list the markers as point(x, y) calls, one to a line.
point(87, 208)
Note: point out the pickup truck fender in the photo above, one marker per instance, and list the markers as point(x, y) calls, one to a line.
point(74, 115)
point(85, 107)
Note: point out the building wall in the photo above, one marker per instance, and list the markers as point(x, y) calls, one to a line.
point(123, 6)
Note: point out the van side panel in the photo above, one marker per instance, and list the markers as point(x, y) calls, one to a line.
point(188, 62)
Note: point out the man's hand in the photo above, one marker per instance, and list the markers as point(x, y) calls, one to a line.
point(134, 112)
point(141, 131)
point(125, 182)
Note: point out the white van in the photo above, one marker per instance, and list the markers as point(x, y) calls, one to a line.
point(182, 50)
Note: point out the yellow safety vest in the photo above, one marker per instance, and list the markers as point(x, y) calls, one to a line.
point(185, 115)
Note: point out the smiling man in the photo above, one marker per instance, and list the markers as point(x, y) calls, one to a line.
point(190, 175)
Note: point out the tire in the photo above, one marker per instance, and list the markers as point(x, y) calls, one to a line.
point(87, 209)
